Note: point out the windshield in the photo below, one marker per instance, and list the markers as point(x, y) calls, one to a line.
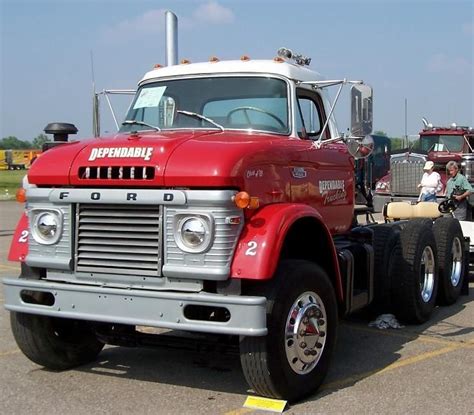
point(450, 143)
point(230, 102)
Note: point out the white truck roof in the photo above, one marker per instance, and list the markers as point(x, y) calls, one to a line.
point(286, 69)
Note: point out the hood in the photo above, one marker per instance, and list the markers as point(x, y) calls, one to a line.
point(443, 157)
point(174, 158)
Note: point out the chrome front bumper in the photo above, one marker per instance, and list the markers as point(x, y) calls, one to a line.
point(139, 307)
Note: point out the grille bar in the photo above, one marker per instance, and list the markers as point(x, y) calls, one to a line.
point(119, 239)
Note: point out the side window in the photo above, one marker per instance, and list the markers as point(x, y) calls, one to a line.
point(311, 114)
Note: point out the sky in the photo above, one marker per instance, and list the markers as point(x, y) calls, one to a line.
point(418, 51)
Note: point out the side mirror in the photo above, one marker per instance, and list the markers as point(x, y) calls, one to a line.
point(360, 148)
point(361, 110)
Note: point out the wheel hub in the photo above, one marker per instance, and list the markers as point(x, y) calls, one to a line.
point(456, 268)
point(305, 332)
point(427, 274)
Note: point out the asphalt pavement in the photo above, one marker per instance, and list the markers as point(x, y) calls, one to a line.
point(422, 369)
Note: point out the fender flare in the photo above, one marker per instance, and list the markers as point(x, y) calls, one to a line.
point(262, 238)
point(19, 244)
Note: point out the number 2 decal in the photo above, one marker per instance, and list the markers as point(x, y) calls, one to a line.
point(23, 237)
point(252, 248)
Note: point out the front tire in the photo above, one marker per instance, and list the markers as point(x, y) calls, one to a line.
point(55, 343)
point(293, 359)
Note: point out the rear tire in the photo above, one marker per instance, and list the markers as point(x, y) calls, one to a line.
point(450, 245)
point(386, 237)
point(415, 273)
point(55, 343)
point(293, 359)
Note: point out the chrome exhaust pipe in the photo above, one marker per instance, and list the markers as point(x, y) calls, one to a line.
point(171, 28)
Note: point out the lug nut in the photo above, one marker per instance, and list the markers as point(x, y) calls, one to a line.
point(321, 321)
point(307, 352)
point(303, 345)
point(319, 345)
point(322, 334)
point(314, 352)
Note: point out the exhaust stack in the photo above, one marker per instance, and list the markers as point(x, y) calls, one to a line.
point(171, 28)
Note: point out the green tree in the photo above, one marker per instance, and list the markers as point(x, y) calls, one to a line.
point(397, 143)
point(380, 132)
point(39, 140)
point(14, 143)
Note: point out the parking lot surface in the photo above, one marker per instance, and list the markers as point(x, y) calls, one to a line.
point(422, 369)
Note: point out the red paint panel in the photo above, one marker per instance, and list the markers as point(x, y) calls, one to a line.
point(262, 238)
point(19, 245)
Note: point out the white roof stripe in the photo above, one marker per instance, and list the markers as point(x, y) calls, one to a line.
point(288, 70)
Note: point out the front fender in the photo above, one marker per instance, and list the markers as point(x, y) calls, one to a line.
point(19, 244)
point(262, 238)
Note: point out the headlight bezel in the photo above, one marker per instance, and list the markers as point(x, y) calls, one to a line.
point(180, 221)
point(34, 217)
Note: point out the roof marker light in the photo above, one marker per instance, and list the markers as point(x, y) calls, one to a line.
point(213, 59)
point(278, 59)
point(244, 58)
point(157, 66)
point(185, 61)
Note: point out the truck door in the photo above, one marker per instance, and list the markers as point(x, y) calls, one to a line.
point(326, 178)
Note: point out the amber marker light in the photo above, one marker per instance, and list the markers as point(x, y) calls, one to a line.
point(254, 203)
point(157, 66)
point(244, 58)
point(185, 61)
point(213, 59)
point(243, 201)
point(278, 59)
point(20, 195)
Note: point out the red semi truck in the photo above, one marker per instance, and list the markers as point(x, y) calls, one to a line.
point(224, 206)
point(438, 144)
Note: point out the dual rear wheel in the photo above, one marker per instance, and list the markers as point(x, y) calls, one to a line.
point(418, 264)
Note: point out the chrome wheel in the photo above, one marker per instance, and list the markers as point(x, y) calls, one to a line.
point(305, 332)
point(457, 262)
point(427, 274)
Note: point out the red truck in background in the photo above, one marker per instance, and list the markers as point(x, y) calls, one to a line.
point(224, 206)
point(438, 144)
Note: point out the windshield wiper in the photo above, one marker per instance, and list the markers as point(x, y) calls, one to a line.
point(135, 122)
point(201, 117)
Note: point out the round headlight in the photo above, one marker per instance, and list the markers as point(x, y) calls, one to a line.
point(47, 227)
point(193, 232)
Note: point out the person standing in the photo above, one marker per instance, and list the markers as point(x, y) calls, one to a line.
point(430, 183)
point(459, 189)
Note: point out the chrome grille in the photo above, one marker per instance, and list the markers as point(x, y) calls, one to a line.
point(405, 176)
point(119, 239)
point(468, 166)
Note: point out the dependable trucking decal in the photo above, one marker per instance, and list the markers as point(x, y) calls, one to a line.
point(144, 153)
point(332, 190)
